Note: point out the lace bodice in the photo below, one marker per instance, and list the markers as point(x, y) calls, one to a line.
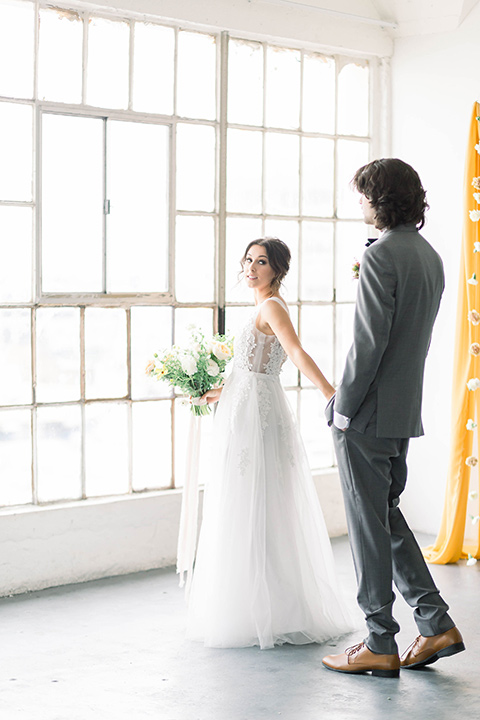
point(257, 352)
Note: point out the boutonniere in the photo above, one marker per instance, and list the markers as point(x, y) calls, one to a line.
point(356, 270)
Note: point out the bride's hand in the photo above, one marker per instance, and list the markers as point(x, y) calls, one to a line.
point(211, 396)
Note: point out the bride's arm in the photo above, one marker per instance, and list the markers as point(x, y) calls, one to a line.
point(276, 319)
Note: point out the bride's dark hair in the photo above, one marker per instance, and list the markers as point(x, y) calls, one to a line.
point(278, 256)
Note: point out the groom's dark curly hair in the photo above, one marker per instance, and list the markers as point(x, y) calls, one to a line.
point(395, 192)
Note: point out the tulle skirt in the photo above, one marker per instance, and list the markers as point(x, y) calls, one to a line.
point(264, 572)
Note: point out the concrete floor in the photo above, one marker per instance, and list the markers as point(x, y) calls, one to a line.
point(115, 649)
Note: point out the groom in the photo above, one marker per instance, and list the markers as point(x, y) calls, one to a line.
point(375, 411)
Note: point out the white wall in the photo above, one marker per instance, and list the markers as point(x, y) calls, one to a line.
point(435, 81)
point(66, 543)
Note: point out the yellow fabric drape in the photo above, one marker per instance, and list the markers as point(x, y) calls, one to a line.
point(449, 545)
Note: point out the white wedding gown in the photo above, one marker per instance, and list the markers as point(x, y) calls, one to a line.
point(264, 572)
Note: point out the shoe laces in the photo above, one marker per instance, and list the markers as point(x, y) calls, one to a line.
point(354, 649)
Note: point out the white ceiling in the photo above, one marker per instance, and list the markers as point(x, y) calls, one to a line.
point(401, 17)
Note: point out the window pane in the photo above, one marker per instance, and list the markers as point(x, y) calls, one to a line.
point(283, 88)
point(137, 226)
point(281, 174)
point(182, 425)
point(317, 261)
point(317, 177)
point(153, 68)
point(287, 230)
point(105, 353)
point(59, 446)
point(15, 457)
point(201, 318)
point(72, 204)
point(58, 354)
point(315, 432)
point(289, 374)
point(196, 75)
point(244, 171)
point(16, 138)
point(316, 335)
point(17, 27)
point(240, 231)
point(349, 247)
point(195, 167)
point(318, 112)
point(15, 357)
point(353, 93)
point(151, 332)
point(195, 259)
point(107, 69)
point(351, 155)
point(61, 36)
point(15, 254)
point(344, 336)
point(152, 445)
point(245, 82)
point(106, 449)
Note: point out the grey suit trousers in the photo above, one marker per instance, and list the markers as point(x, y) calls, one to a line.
point(373, 474)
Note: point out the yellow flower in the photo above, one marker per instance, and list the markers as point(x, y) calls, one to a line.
point(150, 367)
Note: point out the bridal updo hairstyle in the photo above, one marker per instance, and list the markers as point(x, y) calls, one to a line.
point(395, 192)
point(278, 256)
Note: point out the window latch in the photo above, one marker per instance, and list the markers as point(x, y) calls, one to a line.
point(106, 207)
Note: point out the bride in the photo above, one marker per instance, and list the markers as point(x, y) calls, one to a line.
point(264, 573)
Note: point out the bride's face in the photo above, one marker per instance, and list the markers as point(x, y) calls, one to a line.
point(258, 271)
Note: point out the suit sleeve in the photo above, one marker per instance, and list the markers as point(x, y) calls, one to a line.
point(374, 312)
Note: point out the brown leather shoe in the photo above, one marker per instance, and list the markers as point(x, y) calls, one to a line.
point(359, 659)
point(427, 650)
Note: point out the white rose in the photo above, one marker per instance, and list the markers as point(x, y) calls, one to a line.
point(471, 560)
point(474, 215)
point(471, 425)
point(477, 197)
point(473, 384)
point(473, 280)
point(221, 351)
point(188, 364)
point(476, 247)
point(212, 368)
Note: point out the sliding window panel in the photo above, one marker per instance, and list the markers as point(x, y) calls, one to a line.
point(317, 261)
point(318, 111)
point(106, 449)
point(58, 354)
point(283, 88)
point(186, 318)
point(151, 333)
point(105, 353)
point(108, 63)
point(16, 261)
point(59, 450)
point(153, 68)
point(282, 154)
point(17, 43)
point(196, 75)
point(137, 225)
point(316, 335)
point(195, 259)
point(15, 357)
point(61, 36)
point(349, 247)
point(72, 204)
point(16, 152)
point(15, 457)
point(351, 155)
point(240, 232)
point(316, 434)
point(244, 171)
point(353, 92)
point(317, 177)
point(245, 82)
point(152, 445)
point(343, 336)
point(195, 167)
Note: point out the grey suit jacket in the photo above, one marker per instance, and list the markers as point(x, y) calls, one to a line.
point(400, 286)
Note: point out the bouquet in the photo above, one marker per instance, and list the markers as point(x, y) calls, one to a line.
point(194, 369)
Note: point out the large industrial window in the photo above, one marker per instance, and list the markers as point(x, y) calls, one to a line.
point(137, 161)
